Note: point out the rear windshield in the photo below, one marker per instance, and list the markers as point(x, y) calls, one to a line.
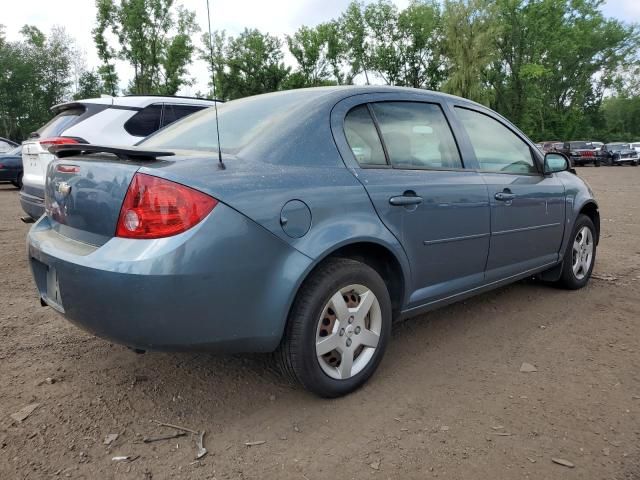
point(58, 124)
point(240, 122)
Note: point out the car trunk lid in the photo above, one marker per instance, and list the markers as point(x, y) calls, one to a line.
point(86, 186)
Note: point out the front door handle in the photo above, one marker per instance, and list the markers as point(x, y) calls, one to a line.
point(504, 196)
point(405, 200)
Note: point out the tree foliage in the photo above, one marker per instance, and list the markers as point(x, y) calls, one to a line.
point(153, 36)
point(249, 64)
point(35, 74)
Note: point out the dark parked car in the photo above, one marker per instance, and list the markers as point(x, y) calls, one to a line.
point(11, 166)
point(7, 145)
point(618, 154)
point(332, 212)
point(580, 153)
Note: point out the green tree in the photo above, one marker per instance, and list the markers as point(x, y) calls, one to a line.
point(106, 53)
point(35, 74)
point(468, 48)
point(555, 62)
point(154, 36)
point(354, 32)
point(321, 54)
point(404, 47)
point(90, 85)
point(249, 64)
point(308, 47)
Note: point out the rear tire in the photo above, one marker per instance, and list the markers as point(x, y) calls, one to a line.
point(325, 313)
point(580, 256)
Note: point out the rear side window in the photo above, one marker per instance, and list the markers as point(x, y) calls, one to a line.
point(145, 122)
point(417, 135)
point(363, 138)
point(176, 112)
point(62, 121)
point(497, 148)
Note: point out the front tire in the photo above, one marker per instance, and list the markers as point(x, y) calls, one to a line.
point(338, 328)
point(580, 256)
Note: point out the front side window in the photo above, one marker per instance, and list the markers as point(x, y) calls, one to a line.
point(363, 138)
point(145, 122)
point(497, 148)
point(417, 135)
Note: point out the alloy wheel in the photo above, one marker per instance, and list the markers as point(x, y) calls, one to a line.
point(582, 253)
point(348, 332)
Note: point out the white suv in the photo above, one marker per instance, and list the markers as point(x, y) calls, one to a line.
point(107, 121)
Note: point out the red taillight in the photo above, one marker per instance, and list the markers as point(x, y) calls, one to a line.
point(49, 142)
point(156, 208)
point(68, 168)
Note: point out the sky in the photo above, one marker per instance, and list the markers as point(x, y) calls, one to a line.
point(277, 17)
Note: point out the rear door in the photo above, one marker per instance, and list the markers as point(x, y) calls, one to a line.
point(527, 207)
point(410, 165)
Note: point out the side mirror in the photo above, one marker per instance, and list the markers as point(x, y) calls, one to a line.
point(555, 162)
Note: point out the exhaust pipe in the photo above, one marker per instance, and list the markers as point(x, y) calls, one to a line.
point(27, 219)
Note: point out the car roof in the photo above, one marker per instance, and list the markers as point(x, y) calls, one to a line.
point(134, 101)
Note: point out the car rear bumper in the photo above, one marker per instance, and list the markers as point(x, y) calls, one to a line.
point(32, 201)
point(625, 160)
point(7, 175)
point(224, 285)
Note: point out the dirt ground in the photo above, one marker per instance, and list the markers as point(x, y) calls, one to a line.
point(449, 400)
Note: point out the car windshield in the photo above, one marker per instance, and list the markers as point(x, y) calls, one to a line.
point(580, 145)
point(617, 146)
point(15, 151)
point(240, 121)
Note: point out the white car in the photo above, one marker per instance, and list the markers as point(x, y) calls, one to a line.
point(107, 121)
point(635, 146)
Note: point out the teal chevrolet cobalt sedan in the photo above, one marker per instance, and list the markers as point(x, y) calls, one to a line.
point(308, 223)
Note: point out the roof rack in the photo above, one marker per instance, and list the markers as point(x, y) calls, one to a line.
point(173, 96)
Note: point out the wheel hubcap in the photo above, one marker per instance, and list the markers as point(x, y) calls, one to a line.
point(582, 253)
point(348, 332)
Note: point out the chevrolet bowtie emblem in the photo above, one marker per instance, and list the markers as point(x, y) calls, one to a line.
point(64, 188)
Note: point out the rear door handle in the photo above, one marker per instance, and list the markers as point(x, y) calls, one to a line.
point(404, 200)
point(504, 196)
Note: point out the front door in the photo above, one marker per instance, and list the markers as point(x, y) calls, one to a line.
point(527, 207)
point(416, 180)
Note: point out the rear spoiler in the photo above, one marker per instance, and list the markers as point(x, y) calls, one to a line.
point(123, 153)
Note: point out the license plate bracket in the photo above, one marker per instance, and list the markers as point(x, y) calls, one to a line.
point(54, 297)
